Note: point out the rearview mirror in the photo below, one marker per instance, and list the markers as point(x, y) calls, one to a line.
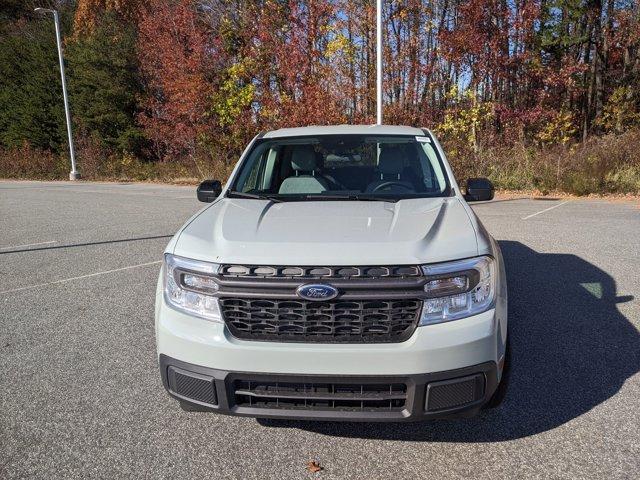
point(479, 190)
point(209, 190)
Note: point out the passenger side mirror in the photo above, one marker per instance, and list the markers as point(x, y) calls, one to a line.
point(209, 190)
point(479, 189)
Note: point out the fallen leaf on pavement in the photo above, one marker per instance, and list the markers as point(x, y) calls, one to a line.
point(313, 466)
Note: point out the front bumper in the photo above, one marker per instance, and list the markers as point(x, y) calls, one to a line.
point(455, 350)
point(433, 348)
point(449, 394)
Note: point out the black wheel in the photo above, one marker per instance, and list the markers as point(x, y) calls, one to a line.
point(501, 391)
point(190, 407)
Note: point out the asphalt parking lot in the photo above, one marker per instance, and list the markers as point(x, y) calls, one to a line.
point(81, 397)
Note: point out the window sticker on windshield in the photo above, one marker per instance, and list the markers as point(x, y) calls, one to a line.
point(423, 139)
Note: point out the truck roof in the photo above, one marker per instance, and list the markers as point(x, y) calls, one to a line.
point(344, 130)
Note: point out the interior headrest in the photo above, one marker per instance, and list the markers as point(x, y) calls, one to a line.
point(392, 161)
point(303, 158)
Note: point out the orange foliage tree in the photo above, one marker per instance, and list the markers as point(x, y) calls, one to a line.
point(174, 62)
point(88, 12)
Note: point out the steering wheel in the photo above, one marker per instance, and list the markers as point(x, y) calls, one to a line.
point(391, 183)
point(334, 181)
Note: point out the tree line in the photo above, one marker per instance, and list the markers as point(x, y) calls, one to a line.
point(192, 81)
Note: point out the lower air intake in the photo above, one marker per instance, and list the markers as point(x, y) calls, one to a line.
point(192, 386)
point(320, 396)
point(454, 393)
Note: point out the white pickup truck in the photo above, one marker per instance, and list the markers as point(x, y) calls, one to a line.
point(338, 275)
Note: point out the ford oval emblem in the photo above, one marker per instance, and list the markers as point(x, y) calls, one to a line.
point(317, 292)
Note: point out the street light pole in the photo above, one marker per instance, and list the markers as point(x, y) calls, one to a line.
point(73, 175)
point(379, 62)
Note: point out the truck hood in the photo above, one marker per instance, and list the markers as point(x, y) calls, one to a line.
point(327, 233)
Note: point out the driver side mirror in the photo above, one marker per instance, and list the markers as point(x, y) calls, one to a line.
point(209, 190)
point(479, 190)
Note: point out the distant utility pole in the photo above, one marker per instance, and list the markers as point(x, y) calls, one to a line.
point(379, 62)
point(73, 175)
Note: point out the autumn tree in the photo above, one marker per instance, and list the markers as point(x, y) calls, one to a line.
point(208, 74)
point(175, 60)
point(89, 12)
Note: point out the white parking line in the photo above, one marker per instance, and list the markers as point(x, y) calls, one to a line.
point(121, 192)
point(28, 245)
point(29, 287)
point(546, 210)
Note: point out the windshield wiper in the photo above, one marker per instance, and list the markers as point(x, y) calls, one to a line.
point(311, 197)
point(235, 194)
point(353, 197)
point(374, 198)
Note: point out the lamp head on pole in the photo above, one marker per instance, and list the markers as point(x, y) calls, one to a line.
point(43, 10)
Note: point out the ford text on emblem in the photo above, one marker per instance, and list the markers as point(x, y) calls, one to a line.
point(317, 292)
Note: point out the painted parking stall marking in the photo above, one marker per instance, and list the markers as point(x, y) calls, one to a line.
point(28, 245)
point(546, 210)
point(64, 280)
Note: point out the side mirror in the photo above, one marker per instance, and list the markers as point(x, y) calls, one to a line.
point(209, 190)
point(479, 190)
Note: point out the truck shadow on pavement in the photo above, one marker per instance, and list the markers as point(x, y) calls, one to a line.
point(85, 244)
point(571, 351)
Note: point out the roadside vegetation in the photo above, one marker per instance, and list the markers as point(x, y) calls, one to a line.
point(535, 95)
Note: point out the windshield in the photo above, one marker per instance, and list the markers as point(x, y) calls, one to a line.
point(357, 167)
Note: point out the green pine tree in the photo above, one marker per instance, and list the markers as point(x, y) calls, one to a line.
point(31, 107)
point(104, 85)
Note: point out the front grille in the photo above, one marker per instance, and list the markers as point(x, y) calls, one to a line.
point(366, 321)
point(326, 273)
point(320, 396)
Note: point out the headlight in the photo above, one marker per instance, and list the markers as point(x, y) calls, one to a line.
point(458, 289)
point(189, 286)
